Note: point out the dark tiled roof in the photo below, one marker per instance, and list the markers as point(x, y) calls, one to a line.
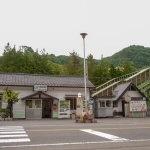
point(120, 90)
point(18, 79)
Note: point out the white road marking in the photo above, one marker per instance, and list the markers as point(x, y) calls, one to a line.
point(11, 127)
point(15, 135)
point(75, 143)
point(9, 134)
point(12, 132)
point(105, 135)
point(14, 140)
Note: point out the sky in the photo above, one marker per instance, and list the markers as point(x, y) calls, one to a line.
point(55, 25)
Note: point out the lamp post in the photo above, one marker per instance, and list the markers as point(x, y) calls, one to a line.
point(85, 98)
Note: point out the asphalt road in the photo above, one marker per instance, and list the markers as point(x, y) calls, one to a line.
point(53, 134)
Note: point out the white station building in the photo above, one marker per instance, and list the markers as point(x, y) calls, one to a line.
point(44, 96)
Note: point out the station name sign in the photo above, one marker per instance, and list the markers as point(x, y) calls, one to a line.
point(40, 87)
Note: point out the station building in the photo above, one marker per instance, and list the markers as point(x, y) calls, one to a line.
point(125, 100)
point(44, 96)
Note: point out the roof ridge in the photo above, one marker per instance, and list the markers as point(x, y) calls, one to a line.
point(38, 74)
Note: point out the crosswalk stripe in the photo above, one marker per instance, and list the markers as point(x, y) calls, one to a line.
point(14, 140)
point(12, 132)
point(105, 135)
point(15, 135)
point(9, 134)
point(11, 127)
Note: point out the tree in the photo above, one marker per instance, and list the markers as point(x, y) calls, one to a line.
point(56, 69)
point(92, 64)
point(11, 97)
point(39, 63)
point(27, 60)
point(112, 71)
point(101, 73)
point(148, 96)
point(74, 66)
point(54, 59)
point(127, 67)
point(9, 55)
point(12, 60)
point(119, 71)
point(7, 47)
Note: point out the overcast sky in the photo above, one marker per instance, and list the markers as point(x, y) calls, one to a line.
point(56, 25)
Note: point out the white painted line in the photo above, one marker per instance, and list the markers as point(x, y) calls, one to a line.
point(14, 140)
point(12, 132)
point(75, 143)
point(105, 135)
point(15, 135)
point(7, 127)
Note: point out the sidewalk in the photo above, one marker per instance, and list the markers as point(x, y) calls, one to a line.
point(69, 122)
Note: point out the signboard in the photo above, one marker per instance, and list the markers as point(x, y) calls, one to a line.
point(127, 98)
point(91, 101)
point(138, 106)
point(40, 87)
point(79, 95)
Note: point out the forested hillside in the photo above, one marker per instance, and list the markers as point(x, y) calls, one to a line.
point(138, 56)
point(27, 60)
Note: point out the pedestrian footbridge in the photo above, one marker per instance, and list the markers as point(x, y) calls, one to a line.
point(140, 78)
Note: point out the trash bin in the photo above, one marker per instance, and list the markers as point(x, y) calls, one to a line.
point(73, 116)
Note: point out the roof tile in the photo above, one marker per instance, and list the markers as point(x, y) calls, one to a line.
point(19, 79)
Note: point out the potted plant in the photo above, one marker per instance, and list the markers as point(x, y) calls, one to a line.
point(4, 113)
point(1, 118)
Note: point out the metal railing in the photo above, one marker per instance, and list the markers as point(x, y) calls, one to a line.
point(143, 87)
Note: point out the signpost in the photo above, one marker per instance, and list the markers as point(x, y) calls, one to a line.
point(79, 108)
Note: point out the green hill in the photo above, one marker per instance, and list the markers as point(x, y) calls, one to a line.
point(139, 56)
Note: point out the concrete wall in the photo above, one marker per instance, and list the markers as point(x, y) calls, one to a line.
point(132, 94)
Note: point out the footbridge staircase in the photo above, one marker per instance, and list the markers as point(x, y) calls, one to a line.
point(140, 78)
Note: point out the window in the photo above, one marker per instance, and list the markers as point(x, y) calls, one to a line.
point(72, 103)
point(37, 103)
point(108, 103)
point(102, 103)
point(29, 103)
point(115, 104)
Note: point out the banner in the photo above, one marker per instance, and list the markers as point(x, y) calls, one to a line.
point(138, 106)
point(79, 107)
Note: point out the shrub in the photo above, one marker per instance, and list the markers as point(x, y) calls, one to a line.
point(4, 112)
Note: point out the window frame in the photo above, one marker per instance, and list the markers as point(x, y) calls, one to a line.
point(73, 102)
point(115, 104)
point(31, 103)
point(109, 104)
point(102, 103)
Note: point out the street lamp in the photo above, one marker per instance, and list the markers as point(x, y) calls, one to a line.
point(85, 98)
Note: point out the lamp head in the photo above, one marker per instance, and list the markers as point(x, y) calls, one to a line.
point(83, 35)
